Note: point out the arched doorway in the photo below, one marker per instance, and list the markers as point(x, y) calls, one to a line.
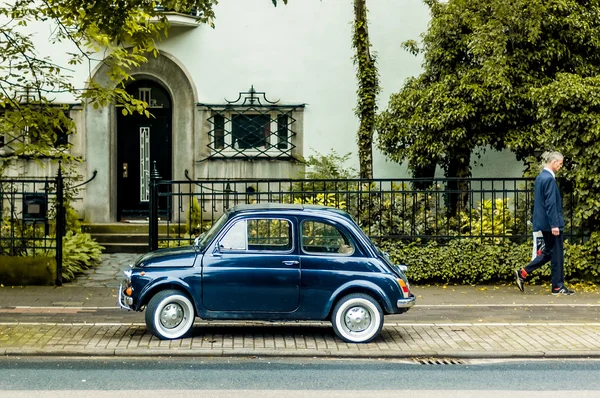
point(140, 142)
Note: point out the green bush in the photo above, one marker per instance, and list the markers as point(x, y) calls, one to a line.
point(468, 261)
point(80, 252)
point(193, 222)
point(490, 218)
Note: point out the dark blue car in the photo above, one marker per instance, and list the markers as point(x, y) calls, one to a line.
point(271, 262)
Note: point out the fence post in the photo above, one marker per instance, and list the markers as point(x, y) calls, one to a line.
point(153, 226)
point(60, 224)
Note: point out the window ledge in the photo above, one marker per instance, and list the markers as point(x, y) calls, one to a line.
point(181, 20)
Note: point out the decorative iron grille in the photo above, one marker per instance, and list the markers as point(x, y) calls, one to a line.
point(252, 127)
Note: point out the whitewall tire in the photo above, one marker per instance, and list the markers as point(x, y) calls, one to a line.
point(169, 315)
point(357, 318)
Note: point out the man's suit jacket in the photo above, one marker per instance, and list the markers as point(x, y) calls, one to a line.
point(547, 203)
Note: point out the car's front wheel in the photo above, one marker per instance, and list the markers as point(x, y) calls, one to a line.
point(357, 318)
point(169, 315)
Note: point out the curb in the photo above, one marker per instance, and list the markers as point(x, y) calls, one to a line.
point(351, 354)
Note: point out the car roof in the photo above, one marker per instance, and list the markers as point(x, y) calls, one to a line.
point(284, 207)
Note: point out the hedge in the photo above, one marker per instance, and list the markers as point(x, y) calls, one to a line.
point(466, 261)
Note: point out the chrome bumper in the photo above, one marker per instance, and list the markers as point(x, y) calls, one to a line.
point(406, 303)
point(125, 302)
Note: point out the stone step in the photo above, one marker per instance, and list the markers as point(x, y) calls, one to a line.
point(103, 238)
point(125, 247)
point(132, 228)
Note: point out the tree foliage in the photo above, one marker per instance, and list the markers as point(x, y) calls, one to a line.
point(483, 61)
point(121, 34)
point(506, 74)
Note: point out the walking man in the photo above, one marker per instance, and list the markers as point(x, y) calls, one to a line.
point(548, 218)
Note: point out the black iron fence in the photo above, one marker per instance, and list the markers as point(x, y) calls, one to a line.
point(490, 210)
point(32, 218)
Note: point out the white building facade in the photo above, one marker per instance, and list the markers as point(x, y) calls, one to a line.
point(286, 72)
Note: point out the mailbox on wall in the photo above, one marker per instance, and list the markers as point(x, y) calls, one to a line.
point(35, 206)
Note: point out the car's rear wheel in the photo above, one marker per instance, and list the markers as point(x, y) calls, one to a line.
point(169, 315)
point(357, 318)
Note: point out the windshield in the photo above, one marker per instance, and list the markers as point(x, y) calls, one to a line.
point(207, 236)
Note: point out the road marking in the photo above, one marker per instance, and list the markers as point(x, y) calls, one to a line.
point(301, 393)
point(507, 305)
point(249, 324)
point(524, 305)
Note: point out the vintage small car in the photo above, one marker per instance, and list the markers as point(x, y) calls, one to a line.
point(270, 262)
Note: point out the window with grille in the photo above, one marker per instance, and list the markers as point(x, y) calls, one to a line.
point(250, 128)
point(14, 138)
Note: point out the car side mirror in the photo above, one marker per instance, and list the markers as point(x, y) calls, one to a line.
point(403, 267)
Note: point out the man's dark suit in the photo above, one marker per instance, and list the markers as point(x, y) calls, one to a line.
point(547, 214)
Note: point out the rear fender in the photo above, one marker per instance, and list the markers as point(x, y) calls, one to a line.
point(359, 286)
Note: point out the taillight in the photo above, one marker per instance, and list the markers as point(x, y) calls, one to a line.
point(404, 287)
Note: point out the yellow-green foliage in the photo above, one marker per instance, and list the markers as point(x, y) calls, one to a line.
point(490, 218)
point(193, 223)
point(73, 223)
point(329, 199)
point(177, 241)
point(80, 252)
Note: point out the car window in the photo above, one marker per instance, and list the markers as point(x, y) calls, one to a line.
point(259, 234)
point(236, 238)
point(320, 237)
point(210, 234)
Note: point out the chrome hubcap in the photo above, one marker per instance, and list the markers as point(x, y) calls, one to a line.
point(357, 319)
point(171, 315)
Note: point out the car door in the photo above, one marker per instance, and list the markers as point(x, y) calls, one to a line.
point(254, 267)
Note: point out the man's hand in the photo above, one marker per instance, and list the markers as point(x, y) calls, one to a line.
point(555, 231)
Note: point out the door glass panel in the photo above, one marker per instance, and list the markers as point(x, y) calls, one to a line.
point(318, 237)
point(144, 164)
point(269, 234)
point(236, 238)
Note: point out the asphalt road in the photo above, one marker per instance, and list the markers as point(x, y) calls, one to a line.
point(28, 376)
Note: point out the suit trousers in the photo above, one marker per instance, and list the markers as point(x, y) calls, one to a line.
point(553, 252)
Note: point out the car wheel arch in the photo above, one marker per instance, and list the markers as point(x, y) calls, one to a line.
point(365, 288)
point(152, 290)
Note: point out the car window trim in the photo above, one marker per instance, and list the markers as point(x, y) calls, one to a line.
point(257, 217)
point(341, 229)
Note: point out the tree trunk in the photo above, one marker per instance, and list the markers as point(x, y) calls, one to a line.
point(458, 189)
point(368, 88)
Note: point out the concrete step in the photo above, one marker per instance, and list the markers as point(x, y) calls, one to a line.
point(133, 228)
point(103, 238)
point(130, 237)
point(125, 247)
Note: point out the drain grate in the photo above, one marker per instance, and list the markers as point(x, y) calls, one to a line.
point(438, 361)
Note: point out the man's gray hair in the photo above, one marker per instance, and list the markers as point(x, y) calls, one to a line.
point(549, 156)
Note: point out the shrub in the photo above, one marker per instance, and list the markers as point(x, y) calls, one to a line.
point(490, 218)
point(468, 261)
point(193, 222)
point(80, 252)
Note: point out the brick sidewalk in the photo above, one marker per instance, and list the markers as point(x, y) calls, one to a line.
point(81, 318)
point(314, 339)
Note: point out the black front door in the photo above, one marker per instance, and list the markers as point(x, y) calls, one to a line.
point(141, 141)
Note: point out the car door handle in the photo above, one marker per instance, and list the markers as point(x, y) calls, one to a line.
point(292, 262)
